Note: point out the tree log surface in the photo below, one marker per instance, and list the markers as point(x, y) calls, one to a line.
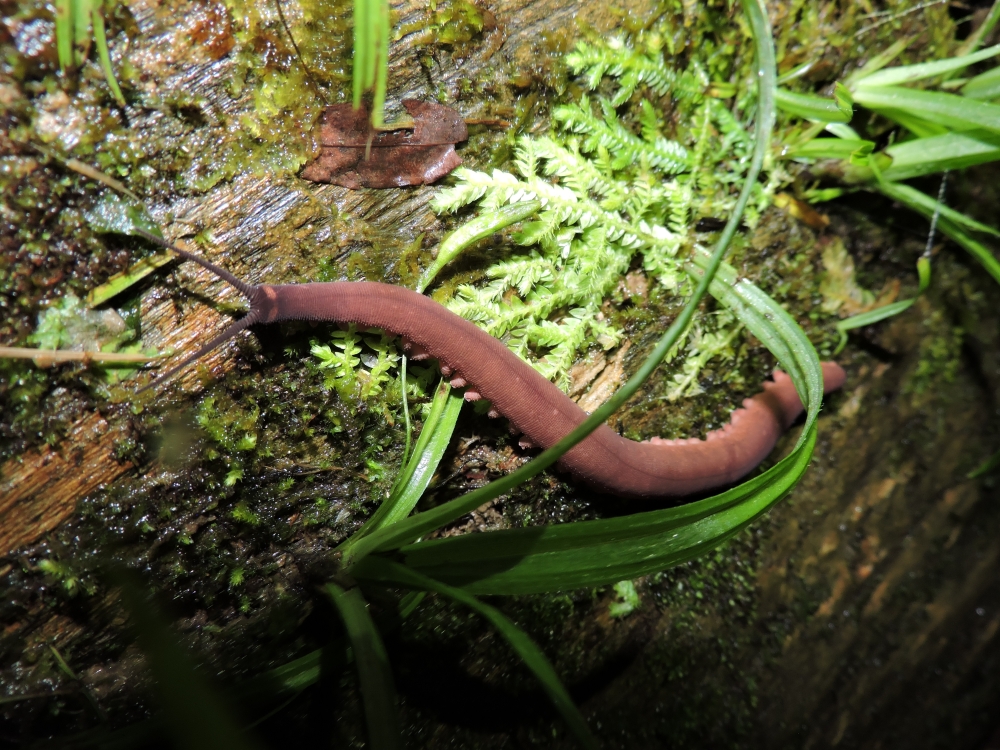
point(875, 603)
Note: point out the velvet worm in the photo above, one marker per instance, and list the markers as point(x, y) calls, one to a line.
point(487, 369)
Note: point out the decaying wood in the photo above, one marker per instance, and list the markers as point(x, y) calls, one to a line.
point(874, 619)
point(40, 489)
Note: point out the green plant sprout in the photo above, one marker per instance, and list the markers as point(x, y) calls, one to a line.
point(78, 24)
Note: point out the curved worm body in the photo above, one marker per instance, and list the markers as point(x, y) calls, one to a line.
point(487, 369)
point(473, 358)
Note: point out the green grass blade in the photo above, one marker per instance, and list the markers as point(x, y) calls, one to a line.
point(473, 231)
point(374, 674)
point(928, 206)
point(595, 553)
point(870, 317)
point(948, 223)
point(878, 62)
point(415, 526)
point(983, 31)
point(817, 108)
point(361, 63)
point(983, 86)
point(911, 73)
point(199, 718)
point(381, 73)
point(831, 148)
point(419, 470)
point(64, 34)
point(951, 110)
point(976, 249)
point(923, 156)
point(101, 42)
point(387, 572)
point(985, 467)
point(122, 281)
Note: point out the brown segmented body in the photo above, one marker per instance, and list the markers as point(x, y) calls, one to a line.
point(473, 358)
point(539, 409)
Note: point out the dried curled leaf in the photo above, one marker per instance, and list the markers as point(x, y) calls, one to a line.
point(355, 155)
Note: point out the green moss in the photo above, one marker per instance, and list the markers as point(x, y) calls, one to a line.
point(940, 354)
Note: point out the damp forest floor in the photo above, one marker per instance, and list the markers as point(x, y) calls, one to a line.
point(862, 611)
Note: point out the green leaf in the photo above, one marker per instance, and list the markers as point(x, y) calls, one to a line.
point(377, 690)
point(832, 148)
point(595, 553)
point(983, 86)
point(868, 318)
point(387, 572)
point(64, 34)
point(879, 61)
point(910, 73)
point(419, 470)
point(985, 467)
point(479, 228)
point(817, 108)
point(975, 248)
point(951, 110)
point(949, 222)
point(923, 156)
point(122, 281)
point(371, 55)
point(928, 206)
point(81, 30)
point(101, 42)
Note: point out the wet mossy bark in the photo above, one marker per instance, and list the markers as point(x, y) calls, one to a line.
point(861, 612)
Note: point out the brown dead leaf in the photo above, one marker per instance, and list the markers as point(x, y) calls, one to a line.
point(355, 155)
point(802, 211)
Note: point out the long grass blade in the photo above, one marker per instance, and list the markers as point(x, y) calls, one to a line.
point(948, 223)
point(983, 86)
point(950, 151)
point(64, 35)
point(81, 30)
point(419, 470)
point(377, 689)
point(361, 64)
point(928, 206)
point(976, 249)
point(911, 73)
point(951, 110)
point(387, 572)
point(817, 108)
point(595, 553)
point(101, 42)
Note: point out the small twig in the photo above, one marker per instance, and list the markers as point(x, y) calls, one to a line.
point(86, 170)
point(298, 52)
point(48, 357)
point(891, 16)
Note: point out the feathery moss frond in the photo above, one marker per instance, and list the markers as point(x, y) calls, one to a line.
point(606, 195)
